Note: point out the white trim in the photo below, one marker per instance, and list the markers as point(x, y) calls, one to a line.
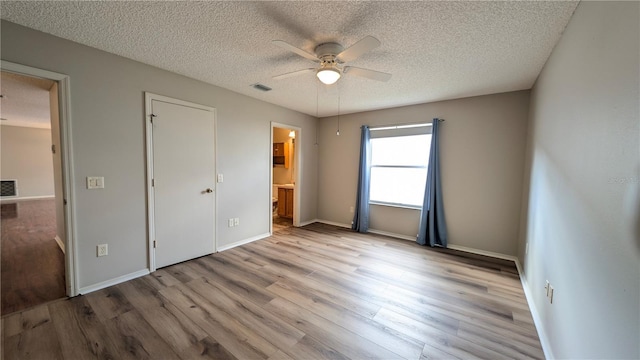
point(60, 243)
point(243, 242)
point(115, 281)
point(396, 205)
point(148, 98)
point(482, 252)
point(25, 198)
point(66, 152)
point(151, 255)
point(537, 320)
point(348, 226)
point(400, 126)
point(393, 235)
point(297, 156)
point(305, 223)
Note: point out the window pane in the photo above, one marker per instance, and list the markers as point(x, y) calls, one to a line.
point(401, 150)
point(398, 185)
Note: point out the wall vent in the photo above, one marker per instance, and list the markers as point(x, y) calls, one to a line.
point(261, 87)
point(8, 188)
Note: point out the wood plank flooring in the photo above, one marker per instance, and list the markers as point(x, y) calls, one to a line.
point(316, 292)
point(31, 263)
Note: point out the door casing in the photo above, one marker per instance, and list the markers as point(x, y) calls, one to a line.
point(297, 156)
point(66, 152)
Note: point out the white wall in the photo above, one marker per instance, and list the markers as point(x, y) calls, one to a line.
point(583, 161)
point(107, 110)
point(26, 157)
point(482, 153)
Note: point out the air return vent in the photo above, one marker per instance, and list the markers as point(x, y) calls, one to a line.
point(8, 188)
point(261, 87)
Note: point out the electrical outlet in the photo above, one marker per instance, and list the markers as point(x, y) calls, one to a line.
point(220, 178)
point(351, 210)
point(230, 222)
point(103, 250)
point(236, 222)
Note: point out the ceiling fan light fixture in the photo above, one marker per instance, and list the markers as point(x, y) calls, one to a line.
point(328, 75)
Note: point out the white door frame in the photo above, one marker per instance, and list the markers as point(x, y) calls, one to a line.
point(148, 98)
point(66, 152)
point(297, 156)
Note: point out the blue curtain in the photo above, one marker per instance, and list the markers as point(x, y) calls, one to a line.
point(361, 217)
point(433, 231)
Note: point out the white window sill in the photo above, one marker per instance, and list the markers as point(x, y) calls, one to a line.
point(402, 206)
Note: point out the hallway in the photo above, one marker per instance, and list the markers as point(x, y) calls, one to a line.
point(32, 264)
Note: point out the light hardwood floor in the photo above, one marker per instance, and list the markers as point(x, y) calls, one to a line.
point(305, 293)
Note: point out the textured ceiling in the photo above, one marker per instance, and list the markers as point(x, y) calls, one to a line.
point(25, 101)
point(435, 50)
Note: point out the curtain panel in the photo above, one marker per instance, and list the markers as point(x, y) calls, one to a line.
point(433, 231)
point(361, 217)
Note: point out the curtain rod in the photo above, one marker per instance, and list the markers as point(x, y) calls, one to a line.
point(402, 126)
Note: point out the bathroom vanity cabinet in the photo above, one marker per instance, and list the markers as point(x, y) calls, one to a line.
point(285, 203)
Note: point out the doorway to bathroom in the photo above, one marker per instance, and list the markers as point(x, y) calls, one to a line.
point(285, 170)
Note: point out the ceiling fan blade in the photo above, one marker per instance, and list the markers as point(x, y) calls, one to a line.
point(354, 51)
point(285, 45)
point(369, 74)
point(293, 73)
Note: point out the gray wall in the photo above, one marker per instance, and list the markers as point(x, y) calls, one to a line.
point(107, 109)
point(482, 154)
point(583, 164)
point(26, 157)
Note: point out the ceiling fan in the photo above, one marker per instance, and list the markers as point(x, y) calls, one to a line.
point(331, 58)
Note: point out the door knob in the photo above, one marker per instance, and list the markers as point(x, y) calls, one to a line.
point(209, 190)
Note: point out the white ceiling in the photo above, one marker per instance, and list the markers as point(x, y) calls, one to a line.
point(25, 101)
point(435, 50)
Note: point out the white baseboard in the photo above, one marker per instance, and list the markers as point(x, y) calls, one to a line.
point(544, 340)
point(482, 252)
point(393, 235)
point(348, 226)
point(60, 243)
point(120, 279)
point(26, 198)
point(242, 242)
point(309, 222)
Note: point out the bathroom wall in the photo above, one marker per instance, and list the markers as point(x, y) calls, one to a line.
point(282, 175)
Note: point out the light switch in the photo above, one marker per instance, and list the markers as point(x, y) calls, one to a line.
point(220, 178)
point(95, 182)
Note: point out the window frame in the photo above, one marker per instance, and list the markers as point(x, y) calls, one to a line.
point(392, 132)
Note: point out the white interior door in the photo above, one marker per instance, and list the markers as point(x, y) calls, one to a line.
point(183, 182)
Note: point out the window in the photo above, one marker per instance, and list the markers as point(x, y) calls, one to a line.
point(399, 169)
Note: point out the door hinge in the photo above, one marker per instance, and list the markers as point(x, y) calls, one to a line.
point(153, 182)
point(155, 244)
point(64, 201)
